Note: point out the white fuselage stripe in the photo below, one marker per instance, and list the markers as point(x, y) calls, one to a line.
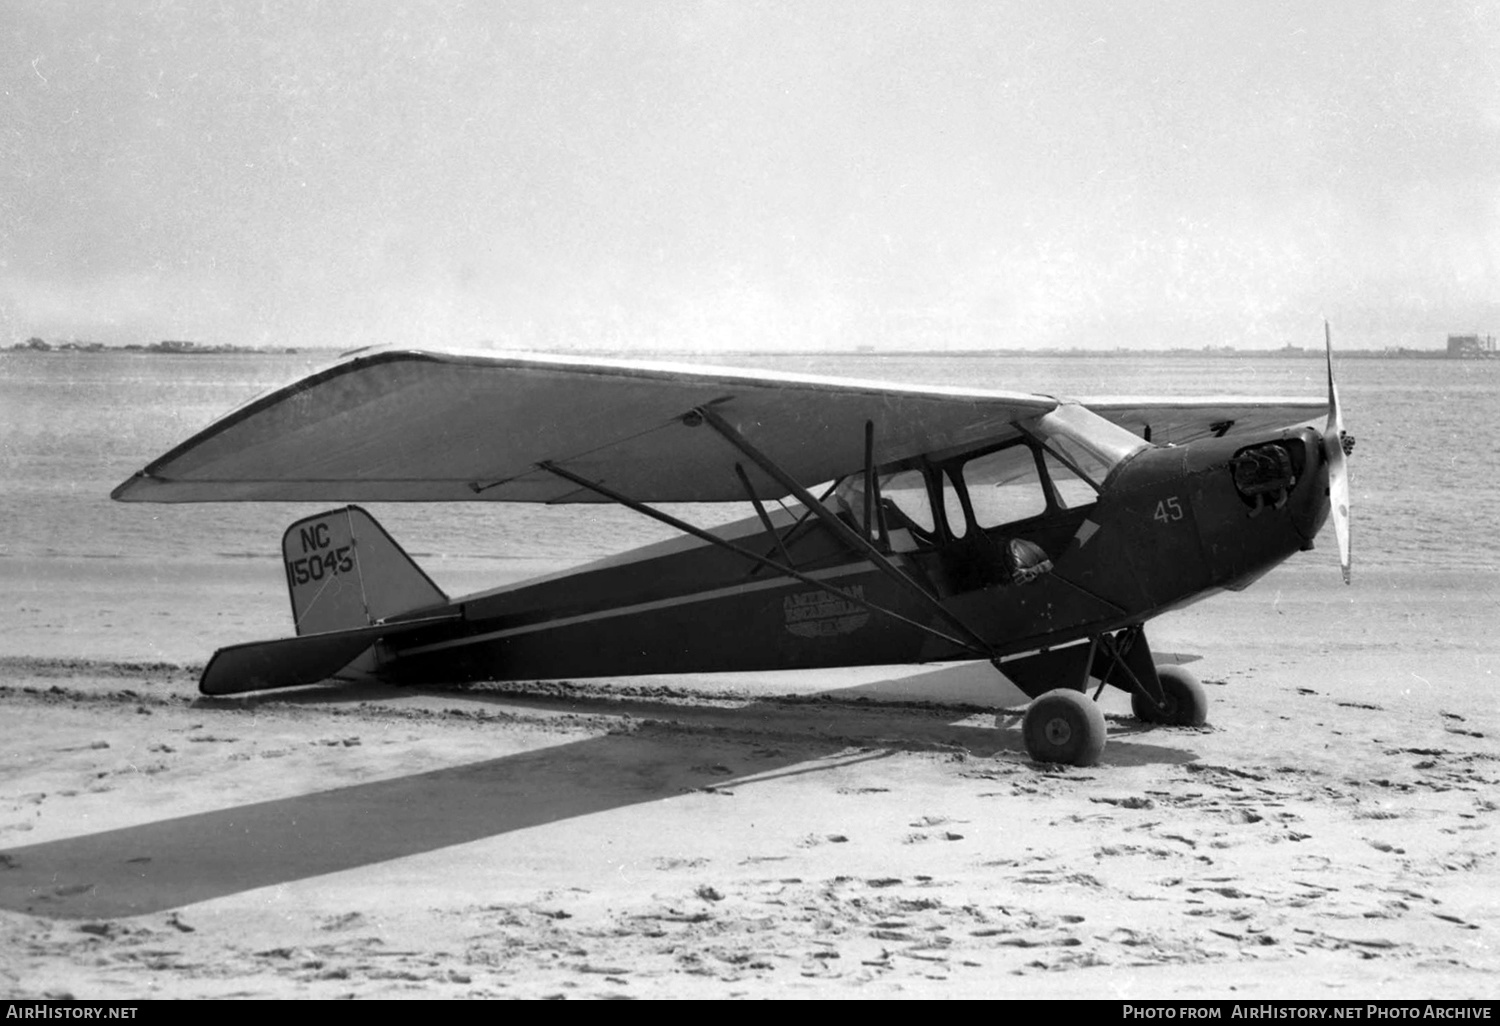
point(642, 607)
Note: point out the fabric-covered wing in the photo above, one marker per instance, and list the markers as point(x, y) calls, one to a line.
point(1179, 421)
point(434, 426)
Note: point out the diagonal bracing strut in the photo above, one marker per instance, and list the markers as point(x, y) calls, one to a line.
point(842, 530)
point(765, 518)
point(1116, 648)
point(759, 560)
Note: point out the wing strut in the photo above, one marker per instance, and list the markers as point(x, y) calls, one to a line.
point(842, 530)
point(785, 540)
point(765, 518)
point(981, 649)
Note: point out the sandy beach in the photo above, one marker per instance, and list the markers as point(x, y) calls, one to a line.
point(540, 285)
point(1330, 833)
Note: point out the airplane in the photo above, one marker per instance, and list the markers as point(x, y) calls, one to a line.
point(892, 523)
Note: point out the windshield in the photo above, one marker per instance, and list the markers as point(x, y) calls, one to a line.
point(1090, 444)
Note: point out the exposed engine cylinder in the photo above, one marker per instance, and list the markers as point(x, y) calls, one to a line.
point(1264, 474)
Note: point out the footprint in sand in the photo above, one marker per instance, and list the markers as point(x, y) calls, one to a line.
point(1464, 733)
point(669, 863)
point(813, 840)
point(347, 921)
point(1456, 920)
point(1129, 802)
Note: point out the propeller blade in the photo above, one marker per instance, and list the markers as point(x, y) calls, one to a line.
point(1333, 455)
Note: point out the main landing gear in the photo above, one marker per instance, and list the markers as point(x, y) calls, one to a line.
point(1184, 702)
point(1064, 725)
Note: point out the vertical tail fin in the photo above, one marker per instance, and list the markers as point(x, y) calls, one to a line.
point(343, 571)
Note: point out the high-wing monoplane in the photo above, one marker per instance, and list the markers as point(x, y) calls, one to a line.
point(891, 523)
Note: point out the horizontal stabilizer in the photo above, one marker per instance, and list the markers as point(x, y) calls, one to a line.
point(293, 662)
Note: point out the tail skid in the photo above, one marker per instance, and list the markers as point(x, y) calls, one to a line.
point(347, 579)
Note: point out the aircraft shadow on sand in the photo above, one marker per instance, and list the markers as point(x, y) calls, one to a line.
point(166, 864)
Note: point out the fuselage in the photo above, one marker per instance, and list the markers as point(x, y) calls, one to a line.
point(1062, 532)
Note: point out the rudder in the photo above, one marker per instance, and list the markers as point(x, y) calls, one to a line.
point(343, 571)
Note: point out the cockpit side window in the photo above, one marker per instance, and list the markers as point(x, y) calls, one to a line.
point(906, 490)
point(906, 511)
point(1024, 478)
point(1004, 486)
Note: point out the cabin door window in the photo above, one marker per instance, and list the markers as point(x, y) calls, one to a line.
point(1004, 486)
point(906, 491)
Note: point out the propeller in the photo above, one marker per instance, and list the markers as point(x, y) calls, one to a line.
point(1334, 457)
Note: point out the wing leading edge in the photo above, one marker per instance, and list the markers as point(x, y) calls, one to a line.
point(407, 425)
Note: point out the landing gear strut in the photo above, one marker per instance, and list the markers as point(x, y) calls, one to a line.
point(1184, 702)
point(1063, 725)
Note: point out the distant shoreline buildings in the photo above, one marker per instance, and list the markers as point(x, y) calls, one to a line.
point(1471, 347)
point(1460, 347)
point(40, 345)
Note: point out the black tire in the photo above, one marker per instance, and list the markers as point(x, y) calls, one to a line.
point(1187, 702)
point(1064, 726)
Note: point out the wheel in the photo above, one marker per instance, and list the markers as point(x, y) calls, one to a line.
point(1187, 702)
point(1064, 726)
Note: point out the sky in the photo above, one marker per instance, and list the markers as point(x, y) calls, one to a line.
point(808, 174)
